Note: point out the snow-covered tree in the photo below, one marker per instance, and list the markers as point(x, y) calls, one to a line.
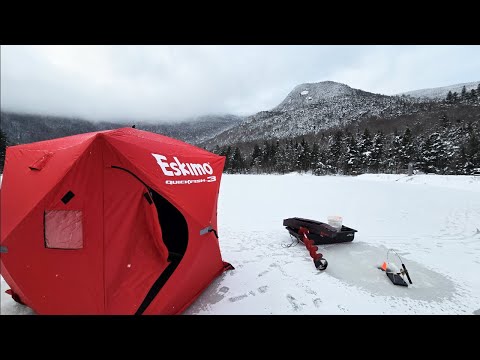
point(255, 160)
point(322, 166)
point(365, 148)
point(376, 157)
point(426, 159)
point(314, 156)
point(393, 155)
point(473, 150)
point(406, 149)
point(450, 150)
point(334, 151)
point(352, 160)
point(282, 164)
point(304, 156)
point(438, 153)
point(266, 157)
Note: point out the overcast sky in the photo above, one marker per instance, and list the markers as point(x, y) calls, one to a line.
point(167, 82)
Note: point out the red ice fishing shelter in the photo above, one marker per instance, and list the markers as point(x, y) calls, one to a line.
point(111, 222)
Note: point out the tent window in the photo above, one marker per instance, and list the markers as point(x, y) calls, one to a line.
point(63, 229)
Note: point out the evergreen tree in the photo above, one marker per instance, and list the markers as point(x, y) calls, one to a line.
point(365, 147)
point(406, 149)
point(238, 162)
point(322, 167)
point(393, 155)
point(448, 150)
point(282, 164)
point(334, 151)
point(297, 166)
point(467, 157)
point(351, 164)
point(426, 158)
point(268, 157)
point(290, 157)
point(265, 162)
point(274, 147)
point(304, 156)
point(473, 95)
point(455, 97)
point(227, 152)
point(440, 160)
point(473, 151)
point(463, 164)
point(314, 156)
point(463, 95)
point(449, 98)
point(420, 157)
point(376, 159)
point(255, 161)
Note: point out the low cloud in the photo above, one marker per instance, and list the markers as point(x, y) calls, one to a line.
point(175, 82)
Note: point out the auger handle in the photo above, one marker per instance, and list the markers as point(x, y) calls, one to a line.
point(406, 273)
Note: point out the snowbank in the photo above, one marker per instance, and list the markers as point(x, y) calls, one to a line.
point(458, 182)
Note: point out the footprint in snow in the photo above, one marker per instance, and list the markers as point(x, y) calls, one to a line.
point(263, 289)
point(237, 298)
point(263, 273)
point(293, 302)
point(310, 291)
point(215, 297)
point(317, 302)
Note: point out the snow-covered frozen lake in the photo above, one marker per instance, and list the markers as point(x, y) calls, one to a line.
point(432, 221)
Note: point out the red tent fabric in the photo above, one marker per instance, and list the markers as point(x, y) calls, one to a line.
point(111, 222)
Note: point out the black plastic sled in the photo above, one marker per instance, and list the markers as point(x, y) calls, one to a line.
point(320, 233)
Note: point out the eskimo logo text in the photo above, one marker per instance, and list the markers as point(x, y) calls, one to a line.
point(178, 168)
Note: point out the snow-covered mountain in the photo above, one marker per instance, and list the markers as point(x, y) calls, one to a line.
point(308, 109)
point(313, 107)
point(440, 93)
point(311, 93)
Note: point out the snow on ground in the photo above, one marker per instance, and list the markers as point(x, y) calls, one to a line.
point(432, 221)
point(466, 183)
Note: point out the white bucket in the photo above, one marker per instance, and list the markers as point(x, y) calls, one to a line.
point(335, 221)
